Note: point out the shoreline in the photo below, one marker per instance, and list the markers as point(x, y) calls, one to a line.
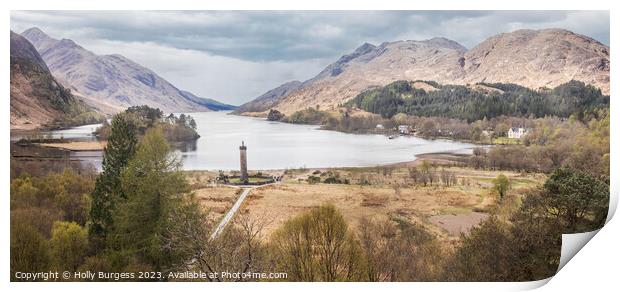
point(441, 158)
point(76, 146)
point(17, 131)
point(371, 131)
point(68, 147)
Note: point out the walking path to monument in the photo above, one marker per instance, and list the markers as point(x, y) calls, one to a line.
point(231, 213)
point(246, 191)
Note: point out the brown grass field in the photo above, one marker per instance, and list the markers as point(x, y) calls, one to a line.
point(444, 210)
point(217, 200)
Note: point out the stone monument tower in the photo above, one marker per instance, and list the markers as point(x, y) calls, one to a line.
point(244, 162)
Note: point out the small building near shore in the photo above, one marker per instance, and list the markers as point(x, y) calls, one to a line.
point(517, 133)
point(404, 129)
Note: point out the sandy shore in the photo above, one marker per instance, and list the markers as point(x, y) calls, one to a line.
point(441, 158)
point(77, 145)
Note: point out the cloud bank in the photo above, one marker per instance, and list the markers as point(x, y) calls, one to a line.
point(234, 56)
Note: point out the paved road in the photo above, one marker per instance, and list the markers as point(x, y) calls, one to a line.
point(231, 213)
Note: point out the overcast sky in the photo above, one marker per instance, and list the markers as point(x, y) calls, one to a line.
point(236, 56)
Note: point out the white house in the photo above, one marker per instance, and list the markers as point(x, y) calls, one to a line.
point(403, 129)
point(517, 133)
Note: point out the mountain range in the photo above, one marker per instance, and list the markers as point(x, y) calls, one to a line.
point(531, 58)
point(111, 83)
point(37, 98)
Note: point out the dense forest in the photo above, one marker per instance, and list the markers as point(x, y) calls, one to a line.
point(482, 101)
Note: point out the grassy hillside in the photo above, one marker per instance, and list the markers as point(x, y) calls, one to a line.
point(37, 99)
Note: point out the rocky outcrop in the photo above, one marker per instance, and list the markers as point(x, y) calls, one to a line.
point(538, 58)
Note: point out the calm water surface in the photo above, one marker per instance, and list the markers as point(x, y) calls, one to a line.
point(81, 133)
point(274, 145)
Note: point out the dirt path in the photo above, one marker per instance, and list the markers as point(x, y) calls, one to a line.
point(220, 227)
point(231, 213)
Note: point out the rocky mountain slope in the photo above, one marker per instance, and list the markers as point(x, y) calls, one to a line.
point(538, 58)
point(37, 99)
point(531, 58)
point(112, 82)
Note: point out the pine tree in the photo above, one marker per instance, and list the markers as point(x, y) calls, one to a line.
point(578, 199)
point(155, 188)
point(120, 148)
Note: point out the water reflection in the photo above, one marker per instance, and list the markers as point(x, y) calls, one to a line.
point(81, 133)
point(188, 146)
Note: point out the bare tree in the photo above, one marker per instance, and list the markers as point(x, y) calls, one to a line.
point(399, 251)
point(414, 175)
point(238, 249)
point(317, 246)
point(445, 177)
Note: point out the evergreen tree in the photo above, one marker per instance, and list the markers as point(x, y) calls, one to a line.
point(192, 123)
point(154, 188)
point(578, 199)
point(120, 148)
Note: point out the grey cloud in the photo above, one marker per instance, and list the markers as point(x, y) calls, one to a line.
point(295, 35)
point(263, 49)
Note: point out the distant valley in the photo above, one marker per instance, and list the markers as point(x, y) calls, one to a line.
point(111, 83)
